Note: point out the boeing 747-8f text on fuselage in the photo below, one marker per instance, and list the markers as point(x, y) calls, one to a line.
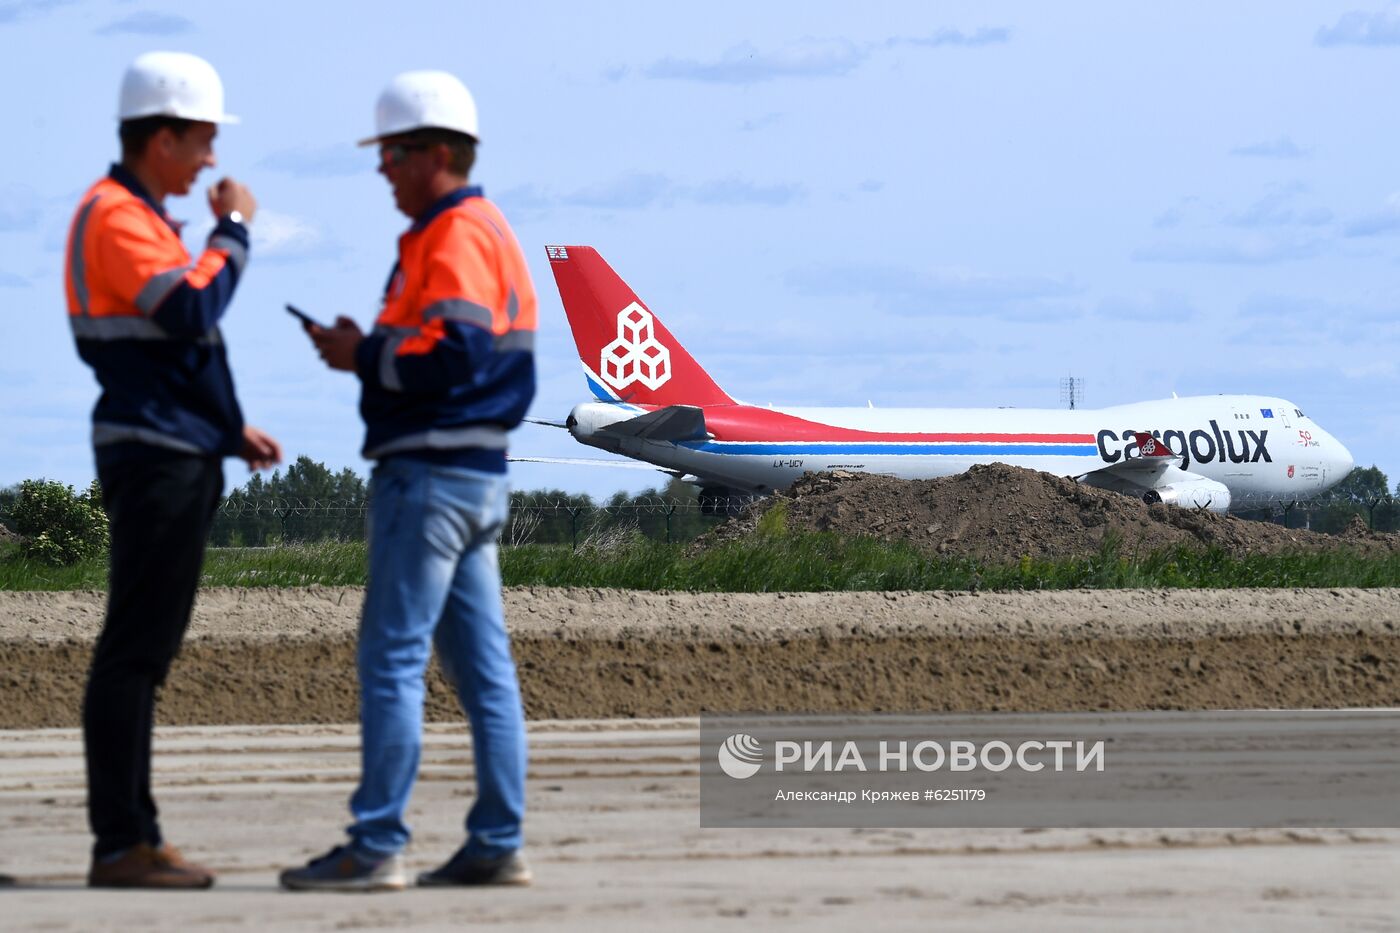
point(655, 403)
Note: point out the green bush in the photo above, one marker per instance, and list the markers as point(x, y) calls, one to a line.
point(59, 526)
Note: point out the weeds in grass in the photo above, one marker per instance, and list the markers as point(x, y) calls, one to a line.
point(773, 522)
point(325, 563)
point(521, 527)
point(606, 541)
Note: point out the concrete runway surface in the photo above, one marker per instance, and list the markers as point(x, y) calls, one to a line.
point(615, 841)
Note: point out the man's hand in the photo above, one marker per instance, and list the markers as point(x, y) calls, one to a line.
point(337, 344)
point(259, 449)
point(227, 195)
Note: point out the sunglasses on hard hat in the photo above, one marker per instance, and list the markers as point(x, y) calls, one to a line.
point(395, 153)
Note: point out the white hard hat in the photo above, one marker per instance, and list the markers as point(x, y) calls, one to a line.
point(420, 100)
point(173, 84)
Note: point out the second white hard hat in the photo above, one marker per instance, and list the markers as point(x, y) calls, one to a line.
point(172, 84)
point(419, 100)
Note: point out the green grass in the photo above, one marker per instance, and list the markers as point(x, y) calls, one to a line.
point(16, 573)
point(829, 562)
point(774, 561)
point(328, 563)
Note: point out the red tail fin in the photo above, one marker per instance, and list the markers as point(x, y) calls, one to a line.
point(627, 353)
point(1150, 446)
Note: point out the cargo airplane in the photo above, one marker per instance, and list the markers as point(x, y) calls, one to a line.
point(654, 403)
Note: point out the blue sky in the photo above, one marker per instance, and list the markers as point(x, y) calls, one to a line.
point(950, 204)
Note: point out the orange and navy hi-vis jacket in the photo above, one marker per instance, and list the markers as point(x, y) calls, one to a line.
point(145, 317)
point(450, 365)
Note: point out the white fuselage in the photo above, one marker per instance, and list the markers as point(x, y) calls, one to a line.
point(1263, 449)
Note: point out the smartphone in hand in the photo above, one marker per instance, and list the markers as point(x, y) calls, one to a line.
point(306, 319)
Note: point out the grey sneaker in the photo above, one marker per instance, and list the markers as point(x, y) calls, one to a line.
point(344, 869)
point(464, 869)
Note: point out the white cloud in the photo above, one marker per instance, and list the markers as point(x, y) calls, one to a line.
point(1375, 369)
point(332, 161)
point(1281, 148)
point(1245, 251)
point(19, 208)
point(642, 190)
point(148, 23)
point(905, 290)
point(1160, 306)
point(1277, 209)
point(746, 64)
point(16, 10)
point(1362, 28)
point(285, 237)
point(1379, 223)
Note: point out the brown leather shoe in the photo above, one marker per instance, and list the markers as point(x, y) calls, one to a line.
point(143, 866)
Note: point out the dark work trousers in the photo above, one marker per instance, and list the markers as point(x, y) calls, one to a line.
point(160, 512)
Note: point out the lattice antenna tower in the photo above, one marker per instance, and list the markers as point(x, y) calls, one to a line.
point(1072, 391)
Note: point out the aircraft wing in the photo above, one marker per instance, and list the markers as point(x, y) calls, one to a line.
point(1154, 476)
point(672, 423)
point(594, 462)
point(1153, 460)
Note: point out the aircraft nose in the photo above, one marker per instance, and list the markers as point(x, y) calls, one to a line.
point(1342, 461)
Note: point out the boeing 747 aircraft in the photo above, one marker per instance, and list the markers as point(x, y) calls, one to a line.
point(654, 403)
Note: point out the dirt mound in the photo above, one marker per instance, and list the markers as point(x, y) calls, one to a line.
point(1357, 530)
point(288, 656)
point(999, 513)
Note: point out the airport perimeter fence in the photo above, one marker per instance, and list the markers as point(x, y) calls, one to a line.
point(243, 522)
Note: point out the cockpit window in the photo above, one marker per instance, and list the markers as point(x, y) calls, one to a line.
point(1299, 413)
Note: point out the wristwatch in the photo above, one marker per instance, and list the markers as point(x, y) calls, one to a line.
point(236, 217)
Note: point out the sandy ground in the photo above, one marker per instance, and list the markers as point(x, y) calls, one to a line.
point(287, 656)
point(615, 842)
point(614, 826)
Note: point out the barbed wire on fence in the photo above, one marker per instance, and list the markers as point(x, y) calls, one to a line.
point(278, 506)
point(1307, 506)
point(1325, 499)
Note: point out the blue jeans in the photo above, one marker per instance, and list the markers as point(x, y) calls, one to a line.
point(434, 578)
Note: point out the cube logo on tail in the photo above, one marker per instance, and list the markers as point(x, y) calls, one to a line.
point(636, 355)
point(627, 353)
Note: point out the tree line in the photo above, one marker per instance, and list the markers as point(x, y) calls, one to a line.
point(55, 524)
point(311, 503)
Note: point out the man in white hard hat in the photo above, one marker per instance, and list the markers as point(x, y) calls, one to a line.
point(145, 316)
point(446, 372)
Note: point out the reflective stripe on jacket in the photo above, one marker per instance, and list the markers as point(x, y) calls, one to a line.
point(450, 363)
point(145, 317)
